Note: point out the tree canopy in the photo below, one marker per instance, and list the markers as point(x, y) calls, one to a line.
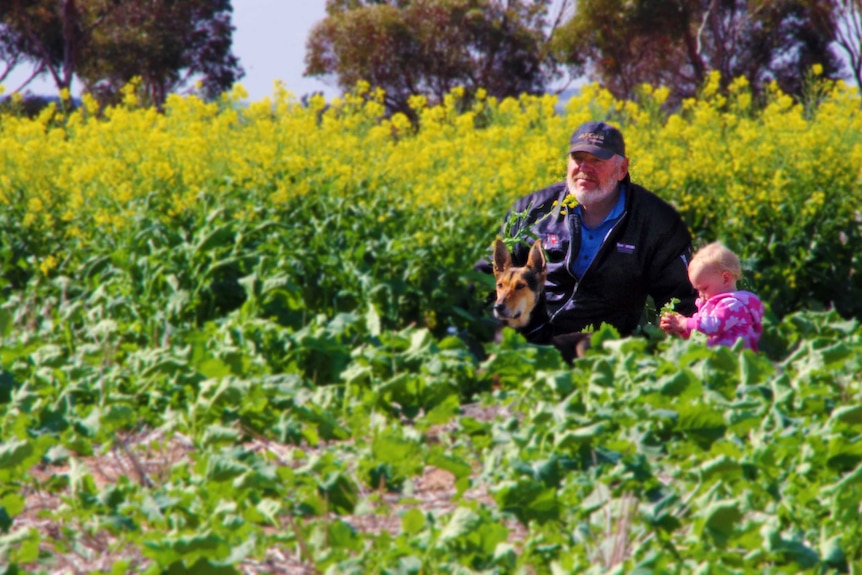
point(510, 47)
point(104, 43)
point(431, 46)
point(676, 43)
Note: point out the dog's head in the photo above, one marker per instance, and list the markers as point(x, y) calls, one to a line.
point(518, 289)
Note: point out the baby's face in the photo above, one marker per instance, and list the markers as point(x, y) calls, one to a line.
point(709, 281)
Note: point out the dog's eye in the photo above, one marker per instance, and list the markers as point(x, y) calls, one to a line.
point(499, 285)
point(520, 286)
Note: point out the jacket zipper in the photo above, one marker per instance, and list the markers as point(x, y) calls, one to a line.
point(602, 249)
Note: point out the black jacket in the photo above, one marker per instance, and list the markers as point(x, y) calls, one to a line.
point(645, 254)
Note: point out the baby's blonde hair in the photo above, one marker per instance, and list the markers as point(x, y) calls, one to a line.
point(717, 255)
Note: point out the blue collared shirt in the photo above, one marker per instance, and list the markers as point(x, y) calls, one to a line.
point(592, 238)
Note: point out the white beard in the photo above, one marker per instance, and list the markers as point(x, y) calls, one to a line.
point(588, 198)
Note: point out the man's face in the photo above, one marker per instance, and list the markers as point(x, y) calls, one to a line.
point(592, 179)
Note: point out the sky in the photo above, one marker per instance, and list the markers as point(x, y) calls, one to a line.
point(269, 40)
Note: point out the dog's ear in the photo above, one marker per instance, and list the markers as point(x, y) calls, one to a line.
point(502, 257)
point(536, 259)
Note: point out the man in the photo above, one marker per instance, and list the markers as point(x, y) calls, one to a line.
point(609, 243)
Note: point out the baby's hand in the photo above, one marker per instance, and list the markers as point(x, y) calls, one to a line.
point(672, 323)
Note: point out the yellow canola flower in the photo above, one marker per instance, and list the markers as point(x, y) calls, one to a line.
point(716, 155)
point(47, 264)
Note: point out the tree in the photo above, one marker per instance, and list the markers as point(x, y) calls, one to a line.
point(165, 43)
point(849, 34)
point(45, 33)
point(8, 56)
point(429, 47)
point(676, 43)
point(106, 43)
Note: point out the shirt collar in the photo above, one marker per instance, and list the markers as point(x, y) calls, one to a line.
point(616, 212)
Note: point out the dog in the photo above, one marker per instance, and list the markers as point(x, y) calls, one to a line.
point(520, 302)
point(519, 290)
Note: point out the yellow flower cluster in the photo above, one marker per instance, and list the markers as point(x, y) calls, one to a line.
point(716, 158)
point(720, 159)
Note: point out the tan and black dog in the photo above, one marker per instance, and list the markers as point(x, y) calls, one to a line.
point(519, 289)
point(520, 301)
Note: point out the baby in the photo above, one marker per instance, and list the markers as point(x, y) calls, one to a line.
point(723, 313)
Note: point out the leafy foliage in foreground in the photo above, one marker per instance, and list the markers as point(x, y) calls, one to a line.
point(668, 460)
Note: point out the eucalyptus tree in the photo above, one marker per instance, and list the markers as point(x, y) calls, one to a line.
point(849, 34)
point(429, 47)
point(677, 43)
point(168, 44)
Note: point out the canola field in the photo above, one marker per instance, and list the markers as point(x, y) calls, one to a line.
point(244, 338)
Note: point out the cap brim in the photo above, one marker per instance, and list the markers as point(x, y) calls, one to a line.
point(594, 150)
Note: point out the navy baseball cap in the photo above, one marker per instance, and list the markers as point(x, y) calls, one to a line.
point(599, 139)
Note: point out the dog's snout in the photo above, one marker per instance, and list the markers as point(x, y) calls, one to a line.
point(498, 307)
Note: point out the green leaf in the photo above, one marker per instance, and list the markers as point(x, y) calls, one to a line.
point(702, 423)
point(754, 369)
point(461, 524)
point(831, 551)
point(239, 553)
point(850, 414)
point(443, 412)
point(6, 322)
point(834, 356)
point(343, 536)
point(118, 415)
point(505, 555)
point(220, 235)
point(200, 567)
point(270, 508)
point(21, 546)
point(206, 541)
point(580, 436)
point(412, 521)
point(340, 491)
point(605, 333)
point(13, 452)
point(8, 384)
point(121, 567)
point(91, 425)
point(849, 480)
point(722, 467)
point(660, 514)
point(216, 435)
point(372, 320)
point(674, 385)
point(5, 520)
point(420, 341)
point(214, 368)
point(403, 454)
point(224, 468)
point(528, 499)
point(721, 520)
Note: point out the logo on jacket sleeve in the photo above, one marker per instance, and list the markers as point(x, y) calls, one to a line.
point(551, 241)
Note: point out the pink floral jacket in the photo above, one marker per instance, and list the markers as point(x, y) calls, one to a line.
point(726, 317)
